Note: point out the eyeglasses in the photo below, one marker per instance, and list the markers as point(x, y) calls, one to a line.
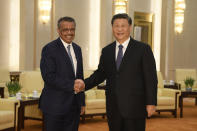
point(69, 30)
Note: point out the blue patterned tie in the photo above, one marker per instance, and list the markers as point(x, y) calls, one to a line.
point(69, 54)
point(119, 57)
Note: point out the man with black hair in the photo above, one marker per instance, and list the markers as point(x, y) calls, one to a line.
point(131, 80)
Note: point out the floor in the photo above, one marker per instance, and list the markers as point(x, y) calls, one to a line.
point(162, 122)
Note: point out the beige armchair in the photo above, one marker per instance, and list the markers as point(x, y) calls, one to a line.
point(8, 114)
point(95, 101)
point(181, 75)
point(30, 81)
point(167, 99)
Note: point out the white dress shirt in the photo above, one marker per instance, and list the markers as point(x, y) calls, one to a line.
point(72, 54)
point(124, 44)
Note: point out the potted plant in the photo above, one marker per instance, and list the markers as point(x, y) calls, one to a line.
point(13, 87)
point(189, 82)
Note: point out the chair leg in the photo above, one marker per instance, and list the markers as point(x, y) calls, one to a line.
point(83, 118)
point(174, 113)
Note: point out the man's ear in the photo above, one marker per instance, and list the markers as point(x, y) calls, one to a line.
point(130, 27)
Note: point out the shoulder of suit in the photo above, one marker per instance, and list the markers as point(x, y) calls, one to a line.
point(132, 41)
point(51, 45)
point(109, 46)
point(74, 44)
point(139, 43)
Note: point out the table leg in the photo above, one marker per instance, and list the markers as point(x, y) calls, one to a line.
point(196, 101)
point(20, 118)
point(181, 106)
point(23, 118)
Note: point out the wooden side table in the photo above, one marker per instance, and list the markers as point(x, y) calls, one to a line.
point(175, 86)
point(186, 94)
point(21, 111)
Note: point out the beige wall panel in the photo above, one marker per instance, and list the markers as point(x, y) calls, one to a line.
point(106, 28)
point(141, 5)
point(79, 10)
point(185, 55)
point(4, 33)
point(27, 35)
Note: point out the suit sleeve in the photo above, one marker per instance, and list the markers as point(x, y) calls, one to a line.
point(150, 76)
point(82, 99)
point(81, 77)
point(98, 76)
point(48, 71)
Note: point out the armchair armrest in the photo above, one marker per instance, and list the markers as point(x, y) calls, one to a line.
point(169, 92)
point(172, 93)
point(9, 104)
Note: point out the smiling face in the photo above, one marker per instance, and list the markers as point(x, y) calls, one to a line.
point(67, 31)
point(121, 30)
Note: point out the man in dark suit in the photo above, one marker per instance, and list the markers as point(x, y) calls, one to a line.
point(61, 64)
point(131, 81)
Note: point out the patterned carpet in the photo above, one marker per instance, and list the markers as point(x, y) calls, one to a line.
point(162, 122)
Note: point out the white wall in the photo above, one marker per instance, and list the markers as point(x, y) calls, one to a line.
point(185, 45)
point(4, 33)
point(27, 35)
point(106, 28)
point(79, 10)
point(180, 49)
point(150, 6)
point(141, 5)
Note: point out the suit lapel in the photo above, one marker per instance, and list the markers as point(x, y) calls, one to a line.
point(127, 54)
point(65, 55)
point(77, 55)
point(113, 56)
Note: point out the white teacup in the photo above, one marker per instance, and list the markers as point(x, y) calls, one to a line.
point(35, 93)
point(171, 82)
point(18, 95)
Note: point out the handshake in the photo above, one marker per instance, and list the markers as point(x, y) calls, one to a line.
point(79, 86)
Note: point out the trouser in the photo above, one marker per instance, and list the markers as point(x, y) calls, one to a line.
point(66, 122)
point(118, 123)
point(122, 124)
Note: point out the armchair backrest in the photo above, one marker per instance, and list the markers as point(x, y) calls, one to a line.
point(30, 81)
point(181, 75)
point(4, 75)
point(160, 80)
point(87, 73)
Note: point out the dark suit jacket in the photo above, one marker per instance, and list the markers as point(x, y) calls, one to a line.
point(134, 85)
point(58, 75)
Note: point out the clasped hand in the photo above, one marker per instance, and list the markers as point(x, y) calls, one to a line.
point(79, 86)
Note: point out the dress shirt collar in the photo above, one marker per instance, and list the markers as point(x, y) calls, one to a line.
point(124, 44)
point(65, 44)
